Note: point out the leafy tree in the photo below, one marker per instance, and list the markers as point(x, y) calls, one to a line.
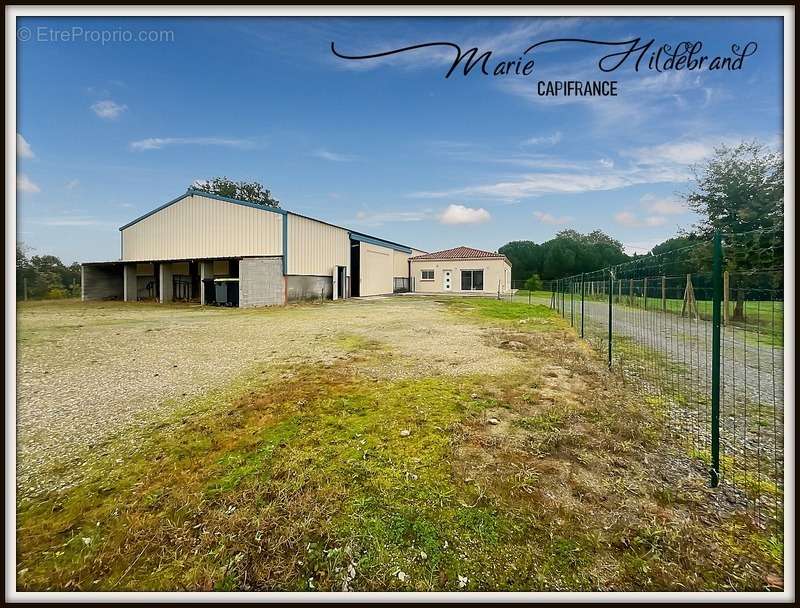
point(739, 192)
point(739, 189)
point(46, 276)
point(534, 283)
point(524, 257)
point(570, 252)
point(253, 192)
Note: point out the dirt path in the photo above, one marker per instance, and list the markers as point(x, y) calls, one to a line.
point(752, 372)
point(88, 371)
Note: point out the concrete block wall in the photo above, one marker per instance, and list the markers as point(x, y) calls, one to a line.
point(309, 288)
point(102, 282)
point(261, 282)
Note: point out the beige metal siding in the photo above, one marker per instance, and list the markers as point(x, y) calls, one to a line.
point(401, 263)
point(201, 227)
point(315, 247)
point(377, 266)
point(496, 273)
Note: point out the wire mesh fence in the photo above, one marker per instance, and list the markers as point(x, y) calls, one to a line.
point(701, 333)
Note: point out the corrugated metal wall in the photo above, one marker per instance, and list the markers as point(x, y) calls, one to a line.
point(377, 266)
point(400, 263)
point(315, 248)
point(200, 227)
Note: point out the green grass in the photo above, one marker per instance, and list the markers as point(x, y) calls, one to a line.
point(671, 386)
point(299, 478)
point(761, 323)
point(538, 316)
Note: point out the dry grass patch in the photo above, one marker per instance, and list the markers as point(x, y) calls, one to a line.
point(303, 478)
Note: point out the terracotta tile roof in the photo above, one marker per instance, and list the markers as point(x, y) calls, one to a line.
point(461, 253)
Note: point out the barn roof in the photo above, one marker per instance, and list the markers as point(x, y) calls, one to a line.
point(354, 235)
point(461, 253)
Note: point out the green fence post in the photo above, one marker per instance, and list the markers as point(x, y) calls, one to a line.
point(582, 295)
point(572, 303)
point(610, 306)
point(716, 321)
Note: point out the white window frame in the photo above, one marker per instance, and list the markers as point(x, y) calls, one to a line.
point(431, 278)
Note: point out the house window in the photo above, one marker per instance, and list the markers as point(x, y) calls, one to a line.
point(472, 280)
point(427, 275)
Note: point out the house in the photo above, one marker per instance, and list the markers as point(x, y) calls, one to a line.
point(212, 249)
point(461, 270)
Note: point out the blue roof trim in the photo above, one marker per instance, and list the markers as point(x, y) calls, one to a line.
point(285, 240)
point(357, 236)
point(194, 192)
point(350, 232)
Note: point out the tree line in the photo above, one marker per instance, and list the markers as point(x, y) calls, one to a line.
point(738, 192)
point(46, 276)
point(568, 253)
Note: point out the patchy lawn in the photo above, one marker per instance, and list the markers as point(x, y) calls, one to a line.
point(537, 472)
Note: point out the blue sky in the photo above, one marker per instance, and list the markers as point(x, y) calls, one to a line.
point(388, 147)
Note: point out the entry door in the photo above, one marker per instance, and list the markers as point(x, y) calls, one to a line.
point(447, 277)
point(339, 282)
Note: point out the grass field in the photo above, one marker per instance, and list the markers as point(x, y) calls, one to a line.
point(761, 321)
point(399, 460)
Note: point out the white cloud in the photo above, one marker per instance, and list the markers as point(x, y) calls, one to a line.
point(640, 247)
point(72, 221)
point(548, 218)
point(72, 184)
point(545, 140)
point(366, 218)
point(680, 153)
point(25, 184)
point(631, 220)
point(534, 184)
point(334, 156)
point(665, 163)
point(459, 214)
point(157, 143)
point(24, 148)
point(108, 109)
point(663, 206)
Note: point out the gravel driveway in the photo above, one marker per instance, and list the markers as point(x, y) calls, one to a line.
point(87, 371)
point(752, 379)
point(750, 371)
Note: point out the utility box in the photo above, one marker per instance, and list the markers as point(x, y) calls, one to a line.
point(226, 292)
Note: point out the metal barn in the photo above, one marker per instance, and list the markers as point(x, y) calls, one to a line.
point(215, 250)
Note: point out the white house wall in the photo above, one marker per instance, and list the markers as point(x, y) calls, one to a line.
point(496, 274)
point(200, 227)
